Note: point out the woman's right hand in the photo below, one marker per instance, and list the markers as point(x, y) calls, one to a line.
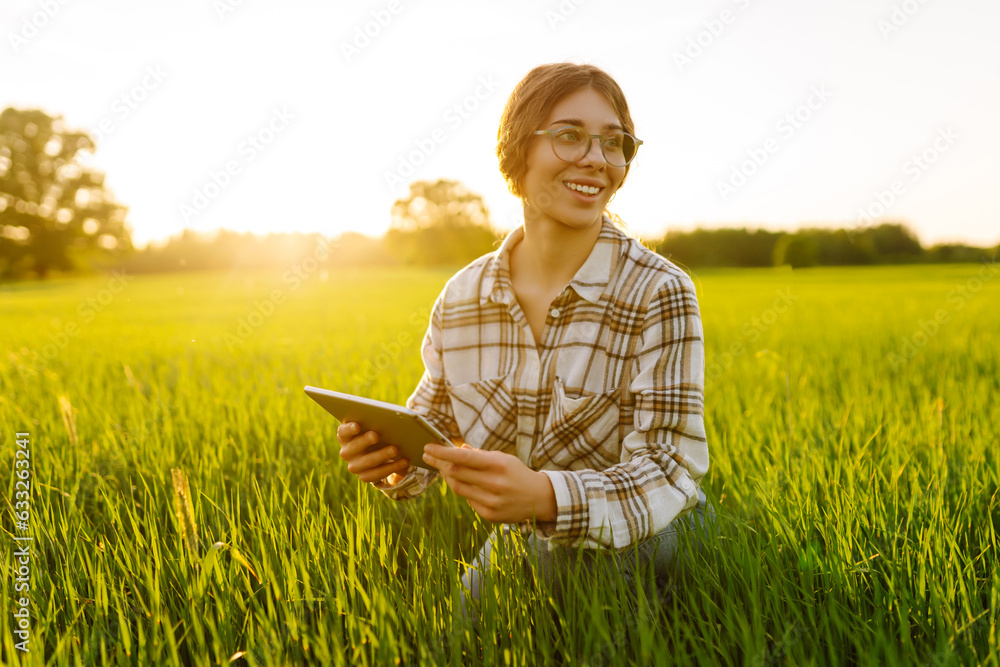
point(370, 465)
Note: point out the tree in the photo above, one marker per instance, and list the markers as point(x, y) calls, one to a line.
point(54, 211)
point(720, 247)
point(799, 250)
point(894, 242)
point(440, 223)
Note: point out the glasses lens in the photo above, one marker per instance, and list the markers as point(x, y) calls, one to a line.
point(572, 143)
point(628, 147)
point(614, 148)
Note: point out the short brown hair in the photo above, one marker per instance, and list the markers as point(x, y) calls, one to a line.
point(530, 103)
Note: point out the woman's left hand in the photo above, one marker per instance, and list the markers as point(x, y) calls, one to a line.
point(498, 486)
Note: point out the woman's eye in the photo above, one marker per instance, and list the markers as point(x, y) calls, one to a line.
point(614, 141)
point(569, 135)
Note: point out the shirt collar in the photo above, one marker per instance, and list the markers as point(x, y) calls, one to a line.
point(590, 281)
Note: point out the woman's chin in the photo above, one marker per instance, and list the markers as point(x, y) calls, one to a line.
point(581, 219)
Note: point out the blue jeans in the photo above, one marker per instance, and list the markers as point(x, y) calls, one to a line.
point(650, 564)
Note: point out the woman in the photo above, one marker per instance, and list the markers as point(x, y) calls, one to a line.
point(570, 361)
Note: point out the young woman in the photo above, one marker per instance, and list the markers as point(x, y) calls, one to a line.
point(570, 362)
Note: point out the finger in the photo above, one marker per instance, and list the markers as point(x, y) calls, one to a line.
point(346, 431)
point(473, 476)
point(485, 512)
point(372, 459)
point(469, 457)
point(358, 445)
point(444, 467)
point(398, 466)
point(471, 492)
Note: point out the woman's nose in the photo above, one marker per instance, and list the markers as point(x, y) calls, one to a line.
point(594, 154)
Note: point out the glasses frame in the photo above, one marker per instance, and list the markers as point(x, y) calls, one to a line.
point(553, 133)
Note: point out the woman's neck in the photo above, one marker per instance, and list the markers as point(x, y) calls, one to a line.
point(550, 253)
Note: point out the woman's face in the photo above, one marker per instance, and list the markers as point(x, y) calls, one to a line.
point(547, 182)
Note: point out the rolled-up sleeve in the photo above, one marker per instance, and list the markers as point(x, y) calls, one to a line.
point(431, 400)
point(664, 459)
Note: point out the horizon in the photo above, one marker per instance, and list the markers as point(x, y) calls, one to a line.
point(210, 234)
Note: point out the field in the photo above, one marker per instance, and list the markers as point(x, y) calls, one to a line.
point(188, 504)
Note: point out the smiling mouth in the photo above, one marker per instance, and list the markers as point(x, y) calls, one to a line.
point(587, 190)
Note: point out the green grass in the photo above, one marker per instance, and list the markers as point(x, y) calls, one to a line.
point(855, 477)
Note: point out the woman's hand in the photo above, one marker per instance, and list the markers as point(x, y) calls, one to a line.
point(498, 486)
point(369, 463)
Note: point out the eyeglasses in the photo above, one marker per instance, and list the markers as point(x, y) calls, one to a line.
point(571, 143)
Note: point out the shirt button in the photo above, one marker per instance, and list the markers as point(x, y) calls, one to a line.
point(529, 422)
point(686, 484)
point(555, 312)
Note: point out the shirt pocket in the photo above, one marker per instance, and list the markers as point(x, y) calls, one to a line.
point(580, 433)
point(486, 412)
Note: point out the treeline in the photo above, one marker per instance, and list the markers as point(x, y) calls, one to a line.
point(439, 223)
point(194, 251)
point(455, 246)
point(889, 243)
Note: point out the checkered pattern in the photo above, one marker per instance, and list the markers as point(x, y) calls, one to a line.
point(609, 406)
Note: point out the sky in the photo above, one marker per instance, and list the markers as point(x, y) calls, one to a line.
point(315, 116)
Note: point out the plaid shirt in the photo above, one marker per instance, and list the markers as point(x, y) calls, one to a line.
point(609, 406)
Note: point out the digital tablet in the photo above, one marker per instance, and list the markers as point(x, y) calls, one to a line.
point(395, 424)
